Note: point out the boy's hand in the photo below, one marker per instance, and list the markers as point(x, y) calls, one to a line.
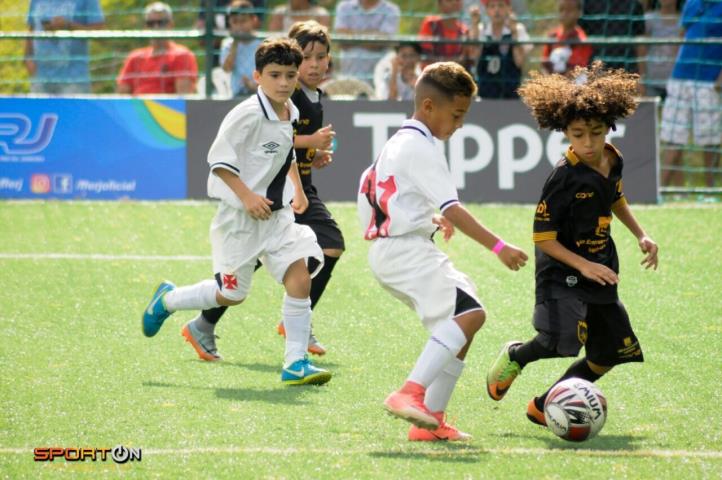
point(648, 246)
point(514, 258)
point(322, 138)
point(257, 206)
point(299, 204)
point(322, 159)
point(599, 273)
point(446, 227)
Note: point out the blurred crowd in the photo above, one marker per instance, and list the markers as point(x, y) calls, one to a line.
point(687, 79)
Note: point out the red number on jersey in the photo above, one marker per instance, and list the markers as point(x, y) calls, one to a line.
point(380, 219)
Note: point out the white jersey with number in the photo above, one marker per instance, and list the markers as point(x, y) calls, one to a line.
point(256, 145)
point(406, 186)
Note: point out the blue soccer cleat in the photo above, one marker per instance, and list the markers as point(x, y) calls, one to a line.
point(155, 313)
point(303, 372)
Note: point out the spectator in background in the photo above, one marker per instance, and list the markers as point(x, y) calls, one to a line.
point(500, 64)
point(615, 18)
point(60, 66)
point(448, 26)
point(365, 17)
point(561, 57)
point(662, 23)
point(397, 72)
point(693, 93)
point(220, 14)
point(162, 67)
point(293, 11)
point(238, 52)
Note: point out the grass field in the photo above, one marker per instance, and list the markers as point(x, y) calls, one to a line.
point(77, 372)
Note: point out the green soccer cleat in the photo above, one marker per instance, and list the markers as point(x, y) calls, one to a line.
point(502, 373)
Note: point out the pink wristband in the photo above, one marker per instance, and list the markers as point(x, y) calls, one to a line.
point(499, 245)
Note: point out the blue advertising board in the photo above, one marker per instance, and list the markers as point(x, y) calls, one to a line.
point(92, 148)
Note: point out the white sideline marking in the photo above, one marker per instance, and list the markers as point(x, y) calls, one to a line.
point(470, 451)
point(103, 257)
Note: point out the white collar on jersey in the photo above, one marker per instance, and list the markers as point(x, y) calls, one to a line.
point(419, 127)
point(312, 95)
point(268, 110)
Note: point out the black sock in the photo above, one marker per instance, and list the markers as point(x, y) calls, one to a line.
point(530, 351)
point(319, 282)
point(212, 315)
point(579, 369)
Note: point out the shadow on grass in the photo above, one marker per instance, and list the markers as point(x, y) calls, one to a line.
point(448, 452)
point(602, 442)
point(282, 395)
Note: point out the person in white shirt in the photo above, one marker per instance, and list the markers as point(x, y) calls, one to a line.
point(249, 160)
point(397, 200)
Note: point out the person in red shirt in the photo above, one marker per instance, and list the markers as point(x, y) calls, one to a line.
point(164, 66)
point(560, 57)
point(445, 26)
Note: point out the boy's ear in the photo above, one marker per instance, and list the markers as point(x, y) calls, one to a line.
point(257, 76)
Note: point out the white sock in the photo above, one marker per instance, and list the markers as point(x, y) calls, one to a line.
point(439, 392)
point(297, 322)
point(200, 296)
point(445, 343)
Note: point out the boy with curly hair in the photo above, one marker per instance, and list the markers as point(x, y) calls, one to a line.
point(577, 268)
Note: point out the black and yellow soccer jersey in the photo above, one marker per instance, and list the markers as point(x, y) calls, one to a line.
point(576, 209)
point(309, 121)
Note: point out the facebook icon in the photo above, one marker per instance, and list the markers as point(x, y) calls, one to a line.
point(62, 183)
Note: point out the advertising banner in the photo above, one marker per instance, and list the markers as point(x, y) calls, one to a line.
point(92, 148)
point(499, 155)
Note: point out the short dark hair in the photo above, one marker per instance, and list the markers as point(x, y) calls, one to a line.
point(281, 51)
point(415, 45)
point(449, 79)
point(309, 32)
point(587, 93)
point(241, 7)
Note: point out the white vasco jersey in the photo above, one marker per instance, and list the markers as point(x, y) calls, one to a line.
point(404, 188)
point(254, 144)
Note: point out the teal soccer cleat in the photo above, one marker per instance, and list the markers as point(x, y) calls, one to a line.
point(303, 372)
point(155, 313)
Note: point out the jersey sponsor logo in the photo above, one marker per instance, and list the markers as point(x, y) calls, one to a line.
point(230, 282)
point(270, 147)
point(571, 281)
point(584, 195)
point(603, 226)
point(542, 212)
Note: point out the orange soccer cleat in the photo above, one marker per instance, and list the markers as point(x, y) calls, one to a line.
point(443, 432)
point(314, 346)
point(534, 414)
point(408, 403)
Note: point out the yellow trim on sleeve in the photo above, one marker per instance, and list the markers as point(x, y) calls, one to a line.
point(622, 201)
point(543, 236)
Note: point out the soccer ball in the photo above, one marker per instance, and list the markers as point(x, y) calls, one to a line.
point(575, 410)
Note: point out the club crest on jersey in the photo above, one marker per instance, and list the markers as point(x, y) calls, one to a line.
point(270, 147)
point(571, 281)
point(230, 282)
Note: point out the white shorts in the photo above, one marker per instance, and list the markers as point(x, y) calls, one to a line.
point(413, 270)
point(238, 241)
point(691, 104)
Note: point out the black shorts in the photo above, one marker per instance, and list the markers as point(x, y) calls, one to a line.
point(565, 324)
point(321, 222)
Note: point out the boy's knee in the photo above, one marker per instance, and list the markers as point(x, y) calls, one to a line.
point(228, 299)
point(471, 322)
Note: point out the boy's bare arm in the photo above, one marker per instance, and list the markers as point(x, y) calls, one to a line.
point(300, 201)
point(511, 256)
point(321, 139)
point(257, 206)
point(622, 211)
point(591, 270)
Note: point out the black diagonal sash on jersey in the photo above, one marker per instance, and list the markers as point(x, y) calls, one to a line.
point(275, 189)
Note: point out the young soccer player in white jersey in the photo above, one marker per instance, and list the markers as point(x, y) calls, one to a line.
point(249, 161)
point(398, 197)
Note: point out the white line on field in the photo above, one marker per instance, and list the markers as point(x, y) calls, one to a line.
point(102, 257)
point(468, 451)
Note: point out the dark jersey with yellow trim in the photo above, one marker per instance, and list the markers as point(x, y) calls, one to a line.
point(576, 209)
point(309, 121)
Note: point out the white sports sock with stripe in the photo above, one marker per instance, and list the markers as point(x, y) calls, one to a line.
point(446, 341)
point(200, 296)
point(439, 392)
point(297, 322)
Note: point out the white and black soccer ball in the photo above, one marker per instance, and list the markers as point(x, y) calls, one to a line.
point(575, 409)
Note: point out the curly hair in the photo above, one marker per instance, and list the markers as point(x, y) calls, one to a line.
point(591, 93)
